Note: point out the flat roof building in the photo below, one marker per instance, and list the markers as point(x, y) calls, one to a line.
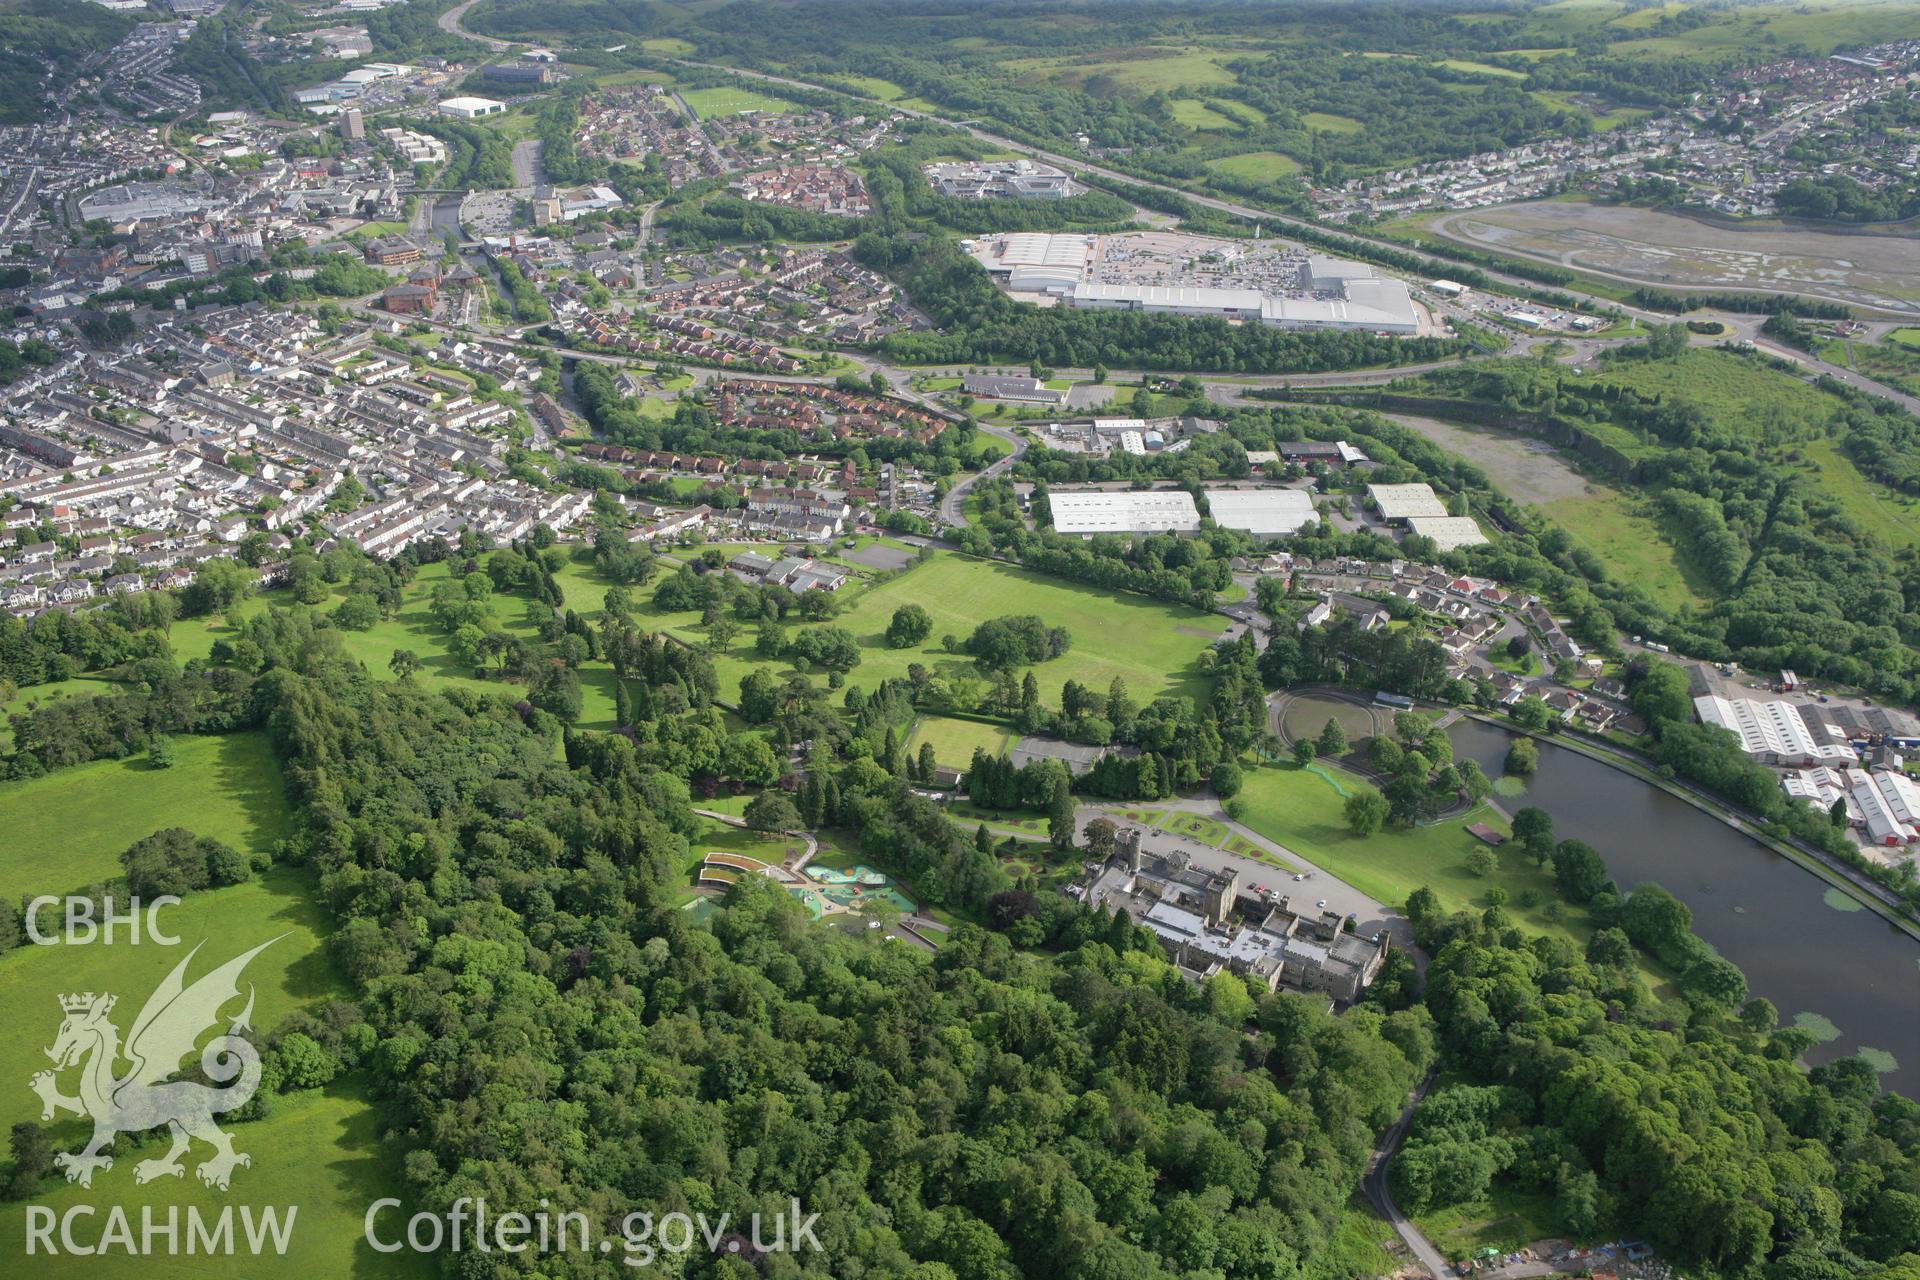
point(1264, 513)
point(990, 386)
point(1402, 502)
point(1037, 261)
point(1773, 732)
point(1889, 806)
point(468, 108)
point(1448, 532)
point(1018, 179)
point(1100, 511)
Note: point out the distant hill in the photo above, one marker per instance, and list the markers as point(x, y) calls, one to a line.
point(44, 39)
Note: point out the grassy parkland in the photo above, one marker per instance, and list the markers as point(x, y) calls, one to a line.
point(1154, 646)
point(67, 830)
point(318, 1150)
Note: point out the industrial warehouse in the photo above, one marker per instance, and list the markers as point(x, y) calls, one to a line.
point(1172, 273)
point(1263, 513)
point(1419, 510)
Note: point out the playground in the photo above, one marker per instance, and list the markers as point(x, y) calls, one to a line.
point(823, 891)
point(850, 890)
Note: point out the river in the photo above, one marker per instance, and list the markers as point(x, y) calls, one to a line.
point(1780, 923)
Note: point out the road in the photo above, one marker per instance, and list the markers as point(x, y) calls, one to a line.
point(1374, 1183)
point(450, 23)
point(1839, 373)
point(952, 506)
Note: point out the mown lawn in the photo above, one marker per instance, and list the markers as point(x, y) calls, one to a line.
point(721, 837)
point(317, 1152)
point(69, 828)
point(954, 739)
point(414, 628)
point(1302, 811)
point(1196, 827)
point(731, 101)
point(1256, 166)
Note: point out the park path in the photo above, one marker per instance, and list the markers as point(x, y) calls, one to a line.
point(1374, 1182)
point(813, 845)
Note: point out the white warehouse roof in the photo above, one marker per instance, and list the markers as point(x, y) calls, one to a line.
point(1156, 297)
point(1404, 501)
point(1448, 532)
point(1121, 511)
point(1889, 805)
point(471, 106)
point(1040, 249)
point(1773, 732)
point(1262, 512)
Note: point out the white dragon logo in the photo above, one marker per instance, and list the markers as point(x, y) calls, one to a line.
point(164, 1033)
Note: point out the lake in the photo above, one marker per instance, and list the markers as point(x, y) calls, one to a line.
point(1816, 953)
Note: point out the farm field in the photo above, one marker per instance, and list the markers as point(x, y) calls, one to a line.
point(1481, 69)
point(1327, 122)
point(1256, 166)
point(1195, 114)
point(227, 787)
point(731, 101)
point(1602, 116)
point(1675, 251)
point(614, 79)
point(317, 1150)
point(1821, 27)
point(1145, 69)
point(872, 86)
